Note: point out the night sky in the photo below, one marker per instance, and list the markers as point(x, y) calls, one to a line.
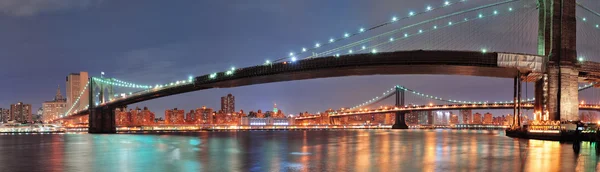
point(154, 41)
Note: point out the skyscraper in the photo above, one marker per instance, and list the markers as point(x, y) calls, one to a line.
point(228, 104)
point(76, 82)
point(21, 112)
point(52, 109)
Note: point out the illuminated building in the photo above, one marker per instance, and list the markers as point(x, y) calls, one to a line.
point(76, 82)
point(454, 119)
point(477, 118)
point(259, 114)
point(467, 116)
point(487, 118)
point(266, 121)
point(441, 118)
point(228, 104)
point(174, 116)
point(412, 118)
point(425, 117)
point(204, 115)
point(190, 117)
point(4, 115)
point(20, 112)
point(147, 116)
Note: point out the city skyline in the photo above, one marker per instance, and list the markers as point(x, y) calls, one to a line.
point(175, 50)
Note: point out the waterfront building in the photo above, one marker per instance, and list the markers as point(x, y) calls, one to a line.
point(454, 119)
point(467, 116)
point(174, 116)
point(266, 121)
point(205, 115)
point(4, 115)
point(20, 113)
point(54, 108)
point(477, 119)
point(487, 118)
point(228, 104)
point(147, 116)
point(76, 83)
point(412, 118)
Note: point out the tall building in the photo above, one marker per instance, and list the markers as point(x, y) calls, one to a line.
point(53, 109)
point(76, 83)
point(228, 104)
point(467, 116)
point(4, 115)
point(21, 112)
point(477, 119)
point(487, 118)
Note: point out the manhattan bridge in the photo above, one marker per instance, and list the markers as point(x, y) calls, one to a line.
point(439, 39)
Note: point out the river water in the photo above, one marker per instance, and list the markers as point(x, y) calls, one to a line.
point(342, 150)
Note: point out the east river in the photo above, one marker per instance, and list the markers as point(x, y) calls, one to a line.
point(339, 150)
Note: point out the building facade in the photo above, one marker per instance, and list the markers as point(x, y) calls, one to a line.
point(477, 119)
point(174, 116)
point(467, 116)
point(488, 118)
point(76, 83)
point(4, 115)
point(21, 113)
point(228, 104)
point(53, 109)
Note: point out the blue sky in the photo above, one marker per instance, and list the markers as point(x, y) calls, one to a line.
point(153, 41)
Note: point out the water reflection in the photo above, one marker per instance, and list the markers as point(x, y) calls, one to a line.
point(356, 150)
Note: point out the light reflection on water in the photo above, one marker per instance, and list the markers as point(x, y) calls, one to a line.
point(350, 150)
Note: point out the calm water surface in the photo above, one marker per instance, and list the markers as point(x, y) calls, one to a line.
point(349, 150)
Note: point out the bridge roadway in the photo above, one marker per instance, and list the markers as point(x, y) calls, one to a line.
point(470, 63)
point(595, 107)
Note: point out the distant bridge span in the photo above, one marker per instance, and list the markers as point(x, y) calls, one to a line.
point(441, 107)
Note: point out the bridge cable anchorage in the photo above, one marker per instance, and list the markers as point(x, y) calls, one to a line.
point(347, 35)
point(421, 31)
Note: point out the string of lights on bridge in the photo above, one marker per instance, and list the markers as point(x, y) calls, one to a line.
point(293, 55)
point(373, 49)
point(419, 32)
point(584, 19)
point(76, 102)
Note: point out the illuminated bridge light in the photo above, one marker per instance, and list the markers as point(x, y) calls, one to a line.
point(435, 27)
point(510, 9)
point(303, 49)
point(361, 29)
point(446, 3)
point(374, 51)
point(350, 51)
point(363, 47)
point(267, 62)
point(394, 19)
point(495, 12)
point(480, 16)
point(584, 19)
point(317, 45)
point(391, 39)
point(405, 35)
point(429, 8)
point(293, 59)
point(450, 23)
point(411, 13)
point(331, 40)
